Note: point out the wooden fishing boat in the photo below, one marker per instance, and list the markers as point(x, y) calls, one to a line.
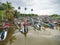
point(4, 35)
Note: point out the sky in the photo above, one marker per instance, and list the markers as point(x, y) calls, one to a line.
point(40, 7)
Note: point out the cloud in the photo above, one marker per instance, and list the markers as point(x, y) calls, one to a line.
point(41, 7)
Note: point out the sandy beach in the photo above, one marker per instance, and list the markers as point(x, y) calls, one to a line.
point(48, 37)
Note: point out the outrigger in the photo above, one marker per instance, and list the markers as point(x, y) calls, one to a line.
point(4, 31)
point(3, 34)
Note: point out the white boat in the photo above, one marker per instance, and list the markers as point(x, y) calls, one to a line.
point(5, 35)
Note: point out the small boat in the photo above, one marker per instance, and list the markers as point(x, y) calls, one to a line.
point(3, 35)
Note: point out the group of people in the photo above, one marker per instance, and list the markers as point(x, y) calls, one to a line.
point(23, 26)
point(37, 25)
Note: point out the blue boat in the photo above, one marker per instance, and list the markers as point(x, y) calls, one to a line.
point(3, 35)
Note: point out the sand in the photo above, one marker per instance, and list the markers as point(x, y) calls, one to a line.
point(48, 37)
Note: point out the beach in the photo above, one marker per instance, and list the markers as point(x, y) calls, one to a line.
point(48, 37)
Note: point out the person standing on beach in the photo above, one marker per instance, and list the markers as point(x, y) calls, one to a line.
point(25, 26)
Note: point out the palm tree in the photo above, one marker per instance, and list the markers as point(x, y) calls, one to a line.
point(19, 7)
point(9, 11)
point(2, 8)
point(16, 14)
point(31, 9)
point(25, 9)
point(8, 5)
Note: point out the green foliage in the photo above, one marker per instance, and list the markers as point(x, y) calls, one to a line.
point(16, 14)
point(1, 8)
point(1, 15)
point(6, 10)
point(54, 15)
point(24, 15)
point(4, 6)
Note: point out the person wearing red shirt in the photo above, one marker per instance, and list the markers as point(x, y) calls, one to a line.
point(25, 26)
